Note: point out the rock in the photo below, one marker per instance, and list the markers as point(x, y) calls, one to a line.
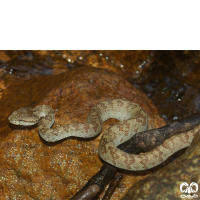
point(4, 57)
point(34, 169)
point(165, 183)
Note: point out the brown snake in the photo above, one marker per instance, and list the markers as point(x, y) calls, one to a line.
point(133, 120)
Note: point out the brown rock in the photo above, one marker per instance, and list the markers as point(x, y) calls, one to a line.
point(34, 169)
point(4, 57)
point(165, 184)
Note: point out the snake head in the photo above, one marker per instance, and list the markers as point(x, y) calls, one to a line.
point(23, 116)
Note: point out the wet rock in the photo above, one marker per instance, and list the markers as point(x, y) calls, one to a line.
point(34, 169)
point(171, 81)
point(165, 183)
point(129, 64)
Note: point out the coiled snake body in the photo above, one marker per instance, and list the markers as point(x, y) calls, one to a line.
point(133, 119)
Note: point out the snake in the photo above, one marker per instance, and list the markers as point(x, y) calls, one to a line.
point(133, 119)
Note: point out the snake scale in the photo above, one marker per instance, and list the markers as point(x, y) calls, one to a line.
point(133, 120)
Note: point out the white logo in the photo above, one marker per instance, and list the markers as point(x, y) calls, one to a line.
point(188, 189)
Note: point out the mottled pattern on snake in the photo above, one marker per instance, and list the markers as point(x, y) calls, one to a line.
point(133, 120)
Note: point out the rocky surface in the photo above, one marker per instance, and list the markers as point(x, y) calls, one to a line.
point(34, 169)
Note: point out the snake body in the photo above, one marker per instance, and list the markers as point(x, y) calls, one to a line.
point(133, 120)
